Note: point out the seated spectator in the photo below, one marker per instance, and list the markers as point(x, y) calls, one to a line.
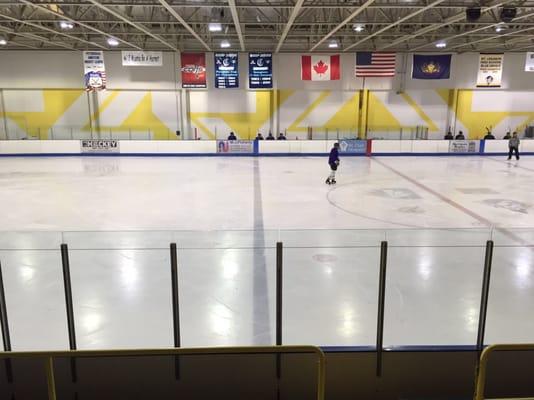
point(489, 136)
point(232, 136)
point(259, 137)
point(281, 136)
point(448, 136)
point(270, 136)
point(508, 136)
point(460, 136)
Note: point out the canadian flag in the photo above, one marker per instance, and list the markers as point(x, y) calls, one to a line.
point(320, 68)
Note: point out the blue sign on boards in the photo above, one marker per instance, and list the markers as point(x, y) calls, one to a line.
point(353, 146)
point(260, 70)
point(226, 70)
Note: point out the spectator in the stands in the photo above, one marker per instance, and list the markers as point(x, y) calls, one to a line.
point(259, 137)
point(489, 136)
point(508, 136)
point(232, 136)
point(460, 136)
point(270, 136)
point(281, 137)
point(448, 136)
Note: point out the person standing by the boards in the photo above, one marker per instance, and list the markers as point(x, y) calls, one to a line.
point(513, 146)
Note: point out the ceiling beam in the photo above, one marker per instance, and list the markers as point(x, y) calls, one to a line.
point(175, 14)
point(344, 22)
point(399, 21)
point(35, 37)
point(455, 18)
point(292, 17)
point(132, 23)
point(520, 17)
point(52, 31)
point(235, 17)
point(490, 38)
point(251, 5)
point(66, 18)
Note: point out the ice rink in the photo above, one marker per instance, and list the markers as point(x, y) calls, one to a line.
point(119, 214)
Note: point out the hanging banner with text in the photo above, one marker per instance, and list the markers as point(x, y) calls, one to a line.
point(529, 62)
point(94, 70)
point(142, 58)
point(490, 70)
point(193, 70)
point(226, 70)
point(260, 70)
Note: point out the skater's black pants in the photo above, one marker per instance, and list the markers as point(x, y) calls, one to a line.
point(511, 151)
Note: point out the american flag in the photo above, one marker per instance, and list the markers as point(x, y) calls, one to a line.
point(370, 64)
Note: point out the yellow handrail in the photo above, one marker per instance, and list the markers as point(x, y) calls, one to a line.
point(482, 368)
point(50, 355)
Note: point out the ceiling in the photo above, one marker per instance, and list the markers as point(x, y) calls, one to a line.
point(275, 25)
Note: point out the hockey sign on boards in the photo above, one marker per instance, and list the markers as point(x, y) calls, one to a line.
point(235, 146)
point(99, 146)
point(463, 146)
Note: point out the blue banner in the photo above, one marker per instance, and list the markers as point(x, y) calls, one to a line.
point(353, 146)
point(226, 70)
point(260, 70)
point(431, 66)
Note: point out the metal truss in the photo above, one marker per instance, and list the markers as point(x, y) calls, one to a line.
point(266, 25)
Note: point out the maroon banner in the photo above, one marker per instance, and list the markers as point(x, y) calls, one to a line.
point(193, 70)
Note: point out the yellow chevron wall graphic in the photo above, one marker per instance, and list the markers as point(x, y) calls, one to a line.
point(245, 112)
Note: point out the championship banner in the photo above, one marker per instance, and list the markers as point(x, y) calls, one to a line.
point(193, 70)
point(99, 146)
point(94, 70)
point(260, 70)
point(142, 58)
point(436, 66)
point(463, 146)
point(490, 70)
point(226, 70)
point(353, 146)
point(529, 62)
point(235, 146)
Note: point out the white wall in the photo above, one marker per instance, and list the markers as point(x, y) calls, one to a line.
point(24, 75)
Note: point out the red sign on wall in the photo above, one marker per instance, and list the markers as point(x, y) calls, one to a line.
point(193, 70)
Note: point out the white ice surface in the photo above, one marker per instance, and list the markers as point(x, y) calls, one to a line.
point(226, 215)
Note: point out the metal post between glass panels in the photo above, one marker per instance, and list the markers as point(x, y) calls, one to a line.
point(175, 307)
point(279, 287)
point(488, 259)
point(3, 315)
point(5, 329)
point(175, 297)
point(69, 306)
point(381, 307)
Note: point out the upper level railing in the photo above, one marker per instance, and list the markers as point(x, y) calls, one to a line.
point(75, 358)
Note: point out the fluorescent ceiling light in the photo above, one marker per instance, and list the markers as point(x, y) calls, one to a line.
point(333, 44)
point(358, 27)
point(215, 27)
point(113, 41)
point(3, 42)
point(225, 44)
point(66, 25)
point(441, 45)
